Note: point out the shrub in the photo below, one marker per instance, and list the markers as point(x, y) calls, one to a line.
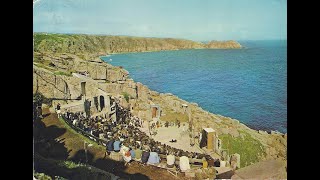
point(126, 96)
point(40, 98)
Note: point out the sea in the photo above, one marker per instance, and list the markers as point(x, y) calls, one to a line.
point(248, 84)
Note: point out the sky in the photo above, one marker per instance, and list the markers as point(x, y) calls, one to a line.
point(199, 20)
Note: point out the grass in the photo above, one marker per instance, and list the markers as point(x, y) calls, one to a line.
point(248, 148)
point(126, 96)
point(172, 116)
point(52, 168)
point(61, 73)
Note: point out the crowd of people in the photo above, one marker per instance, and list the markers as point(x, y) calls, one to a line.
point(123, 135)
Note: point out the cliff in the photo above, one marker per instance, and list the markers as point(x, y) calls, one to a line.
point(89, 46)
point(52, 76)
point(223, 45)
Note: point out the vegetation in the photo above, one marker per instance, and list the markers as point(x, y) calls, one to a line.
point(172, 116)
point(63, 73)
point(249, 148)
point(40, 98)
point(67, 169)
point(81, 44)
point(41, 176)
point(126, 96)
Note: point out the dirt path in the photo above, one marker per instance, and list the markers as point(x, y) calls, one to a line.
point(74, 143)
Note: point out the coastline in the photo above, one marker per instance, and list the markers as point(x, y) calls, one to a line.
point(110, 78)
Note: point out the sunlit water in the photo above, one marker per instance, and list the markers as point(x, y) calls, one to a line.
point(248, 84)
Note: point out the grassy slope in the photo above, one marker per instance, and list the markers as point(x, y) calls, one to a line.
point(249, 149)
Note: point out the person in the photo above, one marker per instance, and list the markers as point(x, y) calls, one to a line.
point(166, 124)
point(204, 163)
point(173, 140)
point(39, 111)
point(116, 146)
point(154, 158)
point(145, 156)
point(58, 110)
point(109, 147)
point(138, 153)
point(217, 163)
point(127, 156)
point(170, 160)
point(210, 161)
point(146, 147)
point(133, 154)
point(184, 163)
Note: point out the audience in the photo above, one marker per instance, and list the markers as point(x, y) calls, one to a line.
point(123, 135)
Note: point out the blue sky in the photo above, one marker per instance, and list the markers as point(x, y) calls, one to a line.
point(200, 20)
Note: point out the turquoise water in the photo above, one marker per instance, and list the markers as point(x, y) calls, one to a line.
point(247, 84)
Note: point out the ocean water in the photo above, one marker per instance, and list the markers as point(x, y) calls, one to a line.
point(248, 84)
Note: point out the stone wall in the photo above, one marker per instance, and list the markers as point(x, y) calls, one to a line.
point(50, 85)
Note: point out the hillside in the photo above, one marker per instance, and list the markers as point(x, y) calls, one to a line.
point(88, 46)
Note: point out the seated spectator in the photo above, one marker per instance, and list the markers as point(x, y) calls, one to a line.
point(217, 163)
point(170, 160)
point(204, 163)
point(146, 147)
point(145, 156)
point(116, 146)
point(127, 157)
point(74, 122)
point(138, 153)
point(124, 148)
point(154, 158)
point(184, 163)
point(133, 154)
point(110, 146)
point(210, 161)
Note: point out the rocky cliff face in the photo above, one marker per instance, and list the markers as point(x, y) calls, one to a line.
point(223, 45)
point(90, 46)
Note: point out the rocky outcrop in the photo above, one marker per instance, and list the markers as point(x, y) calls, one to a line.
point(90, 46)
point(223, 45)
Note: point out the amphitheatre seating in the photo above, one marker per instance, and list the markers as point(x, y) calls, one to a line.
point(122, 123)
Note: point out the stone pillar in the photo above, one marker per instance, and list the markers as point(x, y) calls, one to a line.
point(210, 140)
point(107, 104)
point(238, 159)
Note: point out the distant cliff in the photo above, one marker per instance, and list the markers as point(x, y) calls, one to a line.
point(89, 46)
point(223, 45)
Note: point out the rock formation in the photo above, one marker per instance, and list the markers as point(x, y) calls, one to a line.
point(90, 46)
point(54, 76)
point(223, 45)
